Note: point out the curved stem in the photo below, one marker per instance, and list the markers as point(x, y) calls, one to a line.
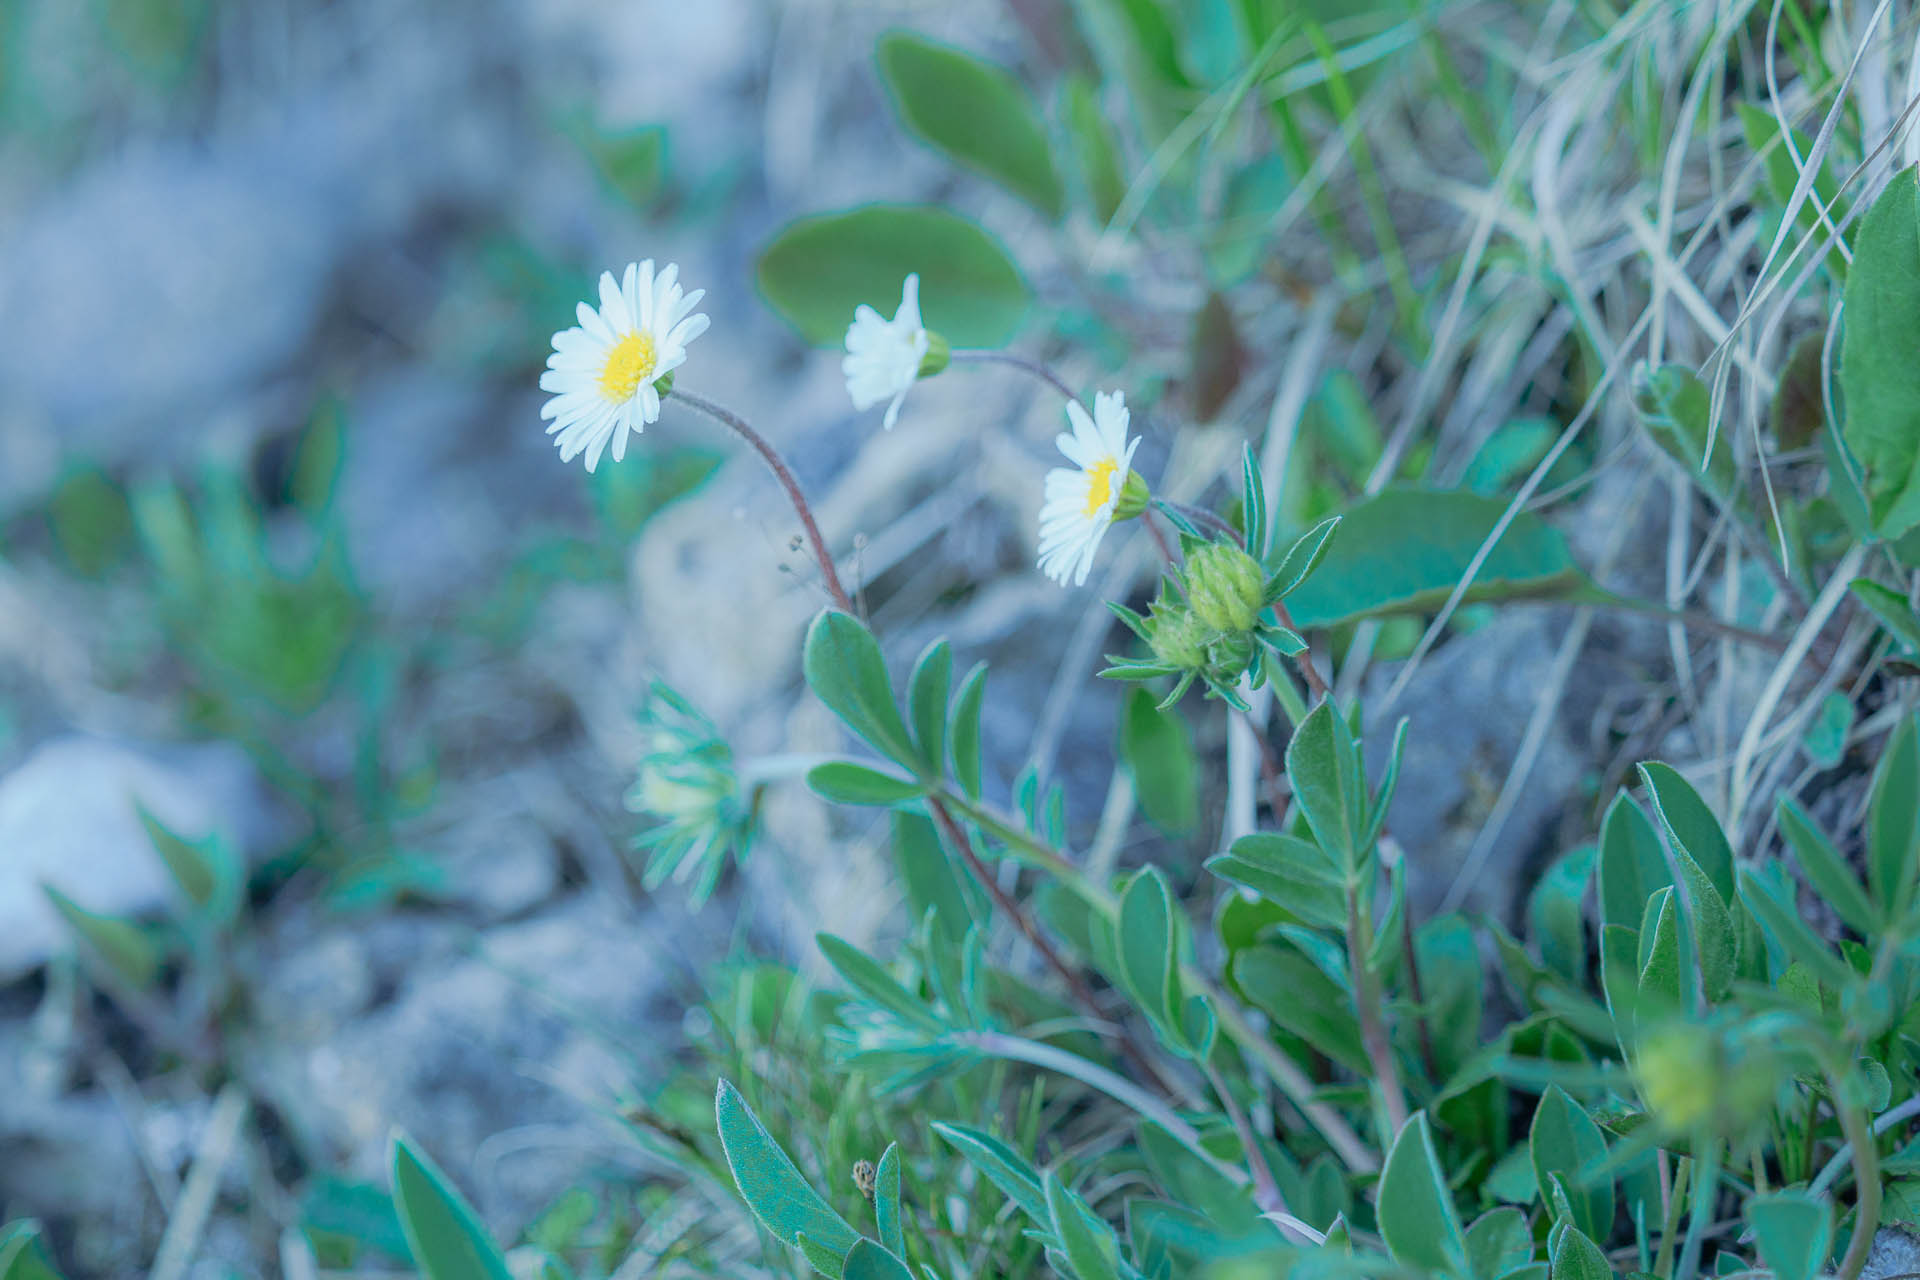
point(1866, 1184)
point(1285, 1072)
point(781, 472)
point(1266, 1192)
point(1023, 920)
point(981, 355)
point(1374, 1036)
point(1201, 516)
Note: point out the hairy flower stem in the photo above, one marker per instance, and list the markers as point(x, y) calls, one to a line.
point(1023, 920)
point(1266, 1192)
point(781, 472)
point(1389, 1096)
point(1284, 1071)
point(979, 355)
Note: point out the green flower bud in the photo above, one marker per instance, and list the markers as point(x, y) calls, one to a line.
point(1229, 655)
point(1225, 587)
point(1177, 637)
point(939, 354)
point(1678, 1077)
point(1134, 497)
point(1695, 1077)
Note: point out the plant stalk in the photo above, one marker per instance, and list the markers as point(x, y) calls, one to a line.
point(1388, 1093)
point(781, 472)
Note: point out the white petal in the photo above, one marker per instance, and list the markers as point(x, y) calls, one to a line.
point(909, 313)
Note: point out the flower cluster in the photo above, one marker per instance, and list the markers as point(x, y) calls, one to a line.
point(686, 780)
point(1207, 624)
point(609, 373)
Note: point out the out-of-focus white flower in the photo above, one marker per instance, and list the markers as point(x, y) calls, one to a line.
point(687, 783)
point(1081, 504)
point(605, 372)
point(885, 357)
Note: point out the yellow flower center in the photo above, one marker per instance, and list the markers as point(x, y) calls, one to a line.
point(1100, 484)
point(630, 363)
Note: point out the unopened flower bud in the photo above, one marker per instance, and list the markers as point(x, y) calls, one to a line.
point(1178, 638)
point(1225, 587)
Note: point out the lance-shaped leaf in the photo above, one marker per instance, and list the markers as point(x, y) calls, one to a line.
point(1879, 378)
point(443, 1231)
point(1415, 1208)
point(773, 1188)
point(845, 670)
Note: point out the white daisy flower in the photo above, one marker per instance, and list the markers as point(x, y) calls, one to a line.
point(884, 356)
point(1081, 504)
point(604, 371)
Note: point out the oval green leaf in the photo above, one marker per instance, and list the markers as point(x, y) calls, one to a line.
point(1879, 378)
point(975, 112)
point(819, 269)
point(1404, 551)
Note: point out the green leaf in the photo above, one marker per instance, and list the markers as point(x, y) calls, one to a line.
point(845, 670)
point(1662, 984)
point(1793, 1231)
point(1893, 822)
point(1417, 1217)
point(1291, 873)
point(867, 976)
point(1633, 865)
point(1674, 407)
point(1891, 607)
point(1773, 906)
point(1405, 550)
point(966, 731)
point(820, 268)
point(1497, 1242)
point(1555, 915)
point(927, 692)
point(975, 112)
point(1303, 556)
point(118, 946)
point(1002, 1166)
point(1572, 1256)
point(1147, 950)
point(1690, 824)
point(443, 1232)
point(1094, 147)
point(770, 1184)
point(1327, 784)
point(1826, 870)
point(844, 782)
point(1089, 1244)
point(932, 880)
point(631, 162)
point(1879, 378)
point(1158, 751)
point(1825, 740)
point(886, 1201)
point(1565, 1141)
point(358, 1211)
point(868, 1261)
point(21, 1257)
point(204, 870)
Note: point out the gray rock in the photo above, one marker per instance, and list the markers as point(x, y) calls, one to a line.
point(1896, 1252)
point(68, 818)
point(1467, 711)
point(492, 1059)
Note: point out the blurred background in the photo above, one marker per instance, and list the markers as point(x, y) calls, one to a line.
point(295, 593)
